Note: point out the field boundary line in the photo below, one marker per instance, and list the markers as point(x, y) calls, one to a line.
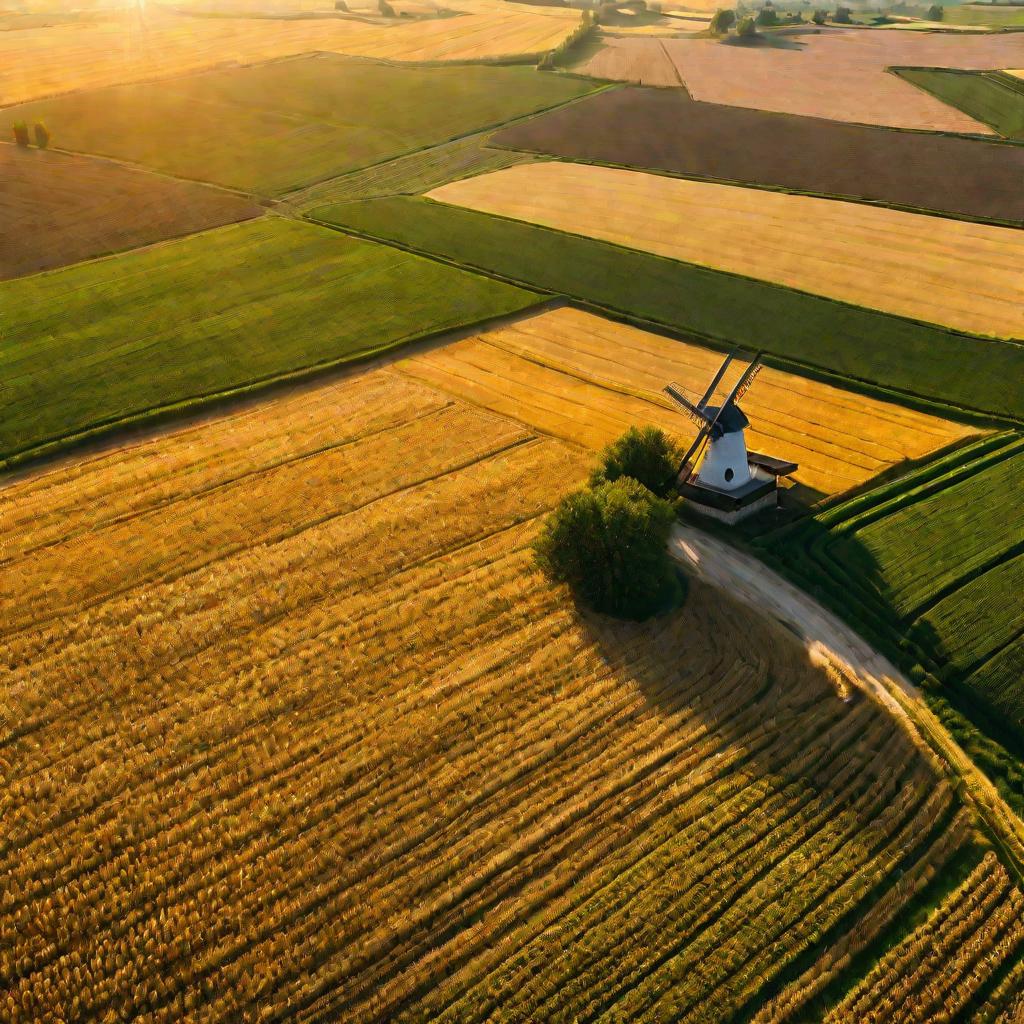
point(826, 635)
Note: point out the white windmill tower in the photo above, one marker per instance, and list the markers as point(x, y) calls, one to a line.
point(731, 482)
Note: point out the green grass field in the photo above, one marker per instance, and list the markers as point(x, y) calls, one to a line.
point(992, 97)
point(983, 15)
point(856, 343)
point(930, 567)
point(285, 124)
point(98, 344)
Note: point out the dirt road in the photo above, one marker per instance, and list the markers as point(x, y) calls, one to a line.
point(831, 641)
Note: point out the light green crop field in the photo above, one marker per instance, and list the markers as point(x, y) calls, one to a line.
point(864, 344)
point(99, 344)
point(991, 15)
point(995, 98)
point(286, 124)
point(931, 566)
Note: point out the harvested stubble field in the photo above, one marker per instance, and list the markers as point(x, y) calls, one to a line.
point(142, 47)
point(832, 73)
point(629, 59)
point(586, 379)
point(97, 345)
point(57, 209)
point(334, 751)
point(958, 274)
point(859, 343)
point(931, 565)
point(284, 124)
point(991, 96)
point(668, 132)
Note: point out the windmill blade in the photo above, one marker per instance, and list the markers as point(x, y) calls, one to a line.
point(743, 384)
point(698, 416)
point(718, 380)
point(697, 442)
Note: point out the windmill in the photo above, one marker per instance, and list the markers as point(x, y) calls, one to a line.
point(731, 482)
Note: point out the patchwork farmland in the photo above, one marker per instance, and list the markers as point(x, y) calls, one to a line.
point(782, 151)
point(284, 124)
point(586, 379)
point(815, 245)
point(426, 874)
point(836, 74)
point(381, 640)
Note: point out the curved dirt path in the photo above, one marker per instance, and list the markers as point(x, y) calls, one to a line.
point(832, 642)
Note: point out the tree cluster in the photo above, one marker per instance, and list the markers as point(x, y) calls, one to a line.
point(39, 131)
point(608, 541)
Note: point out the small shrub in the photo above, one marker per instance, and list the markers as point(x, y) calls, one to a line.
point(42, 135)
point(746, 28)
point(819, 17)
point(647, 455)
point(20, 130)
point(767, 16)
point(386, 10)
point(842, 16)
point(609, 545)
point(935, 12)
point(722, 22)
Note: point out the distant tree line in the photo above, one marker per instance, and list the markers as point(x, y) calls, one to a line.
point(39, 132)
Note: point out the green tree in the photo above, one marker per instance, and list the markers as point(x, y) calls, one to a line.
point(646, 454)
point(767, 16)
point(819, 17)
point(842, 16)
point(42, 135)
point(721, 22)
point(20, 130)
point(746, 28)
point(609, 544)
point(935, 12)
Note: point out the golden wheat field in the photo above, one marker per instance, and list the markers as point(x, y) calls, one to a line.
point(293, 731)
point(133, 47)
point(586, 379)
point(949, 272)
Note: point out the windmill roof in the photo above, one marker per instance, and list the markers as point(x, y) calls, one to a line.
point(731, 420)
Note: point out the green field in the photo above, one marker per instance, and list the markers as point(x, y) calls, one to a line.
point(857, 343)
point(995, 98)
point(992, 15)
point(98, 344)
point(285, 124)
point(931, 569)
point(414, 173)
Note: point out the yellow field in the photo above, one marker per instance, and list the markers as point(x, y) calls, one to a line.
point(962, 275)
point(293, 731)
point(44, 61)
point(587, 379)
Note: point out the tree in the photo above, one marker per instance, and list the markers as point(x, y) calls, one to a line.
point(42, 135)
point(386, 10)
point(767, 16)
point(819, 17)
point(842, 16)
point(746, 28)
point(20, 130)
point(647, 455)
point(722, 22)
point(935, 12)
point(609, 544)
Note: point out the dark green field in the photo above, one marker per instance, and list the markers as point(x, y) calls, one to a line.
point(100, 344)
point(993, 97)
point(931, 569)
point(281, 125)
point(884, 350)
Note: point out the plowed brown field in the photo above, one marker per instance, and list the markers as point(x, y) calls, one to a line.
point(832, 73)
point(961, 275)
point(57, 209)
point(587, 379)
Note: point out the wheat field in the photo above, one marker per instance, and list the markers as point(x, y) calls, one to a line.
point(949, 272)
point(586, 379)
point(50, 60)
point(293, 731)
